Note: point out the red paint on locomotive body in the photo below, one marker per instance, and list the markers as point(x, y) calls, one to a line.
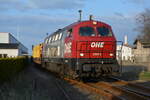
point(83, 44)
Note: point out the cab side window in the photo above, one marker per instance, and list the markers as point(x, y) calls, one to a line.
point(69, 33)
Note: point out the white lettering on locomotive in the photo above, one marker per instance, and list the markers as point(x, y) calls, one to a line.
point(68, 47)
point(97, 44)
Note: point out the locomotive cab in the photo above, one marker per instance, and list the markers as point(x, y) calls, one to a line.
point(92, 48)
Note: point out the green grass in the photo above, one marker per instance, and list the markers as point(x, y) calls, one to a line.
point(145, 76)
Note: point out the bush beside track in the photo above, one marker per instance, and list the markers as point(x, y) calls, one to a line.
point(145, 76)
point(10, 66)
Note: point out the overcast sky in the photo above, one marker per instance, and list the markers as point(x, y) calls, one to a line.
point(32, 19)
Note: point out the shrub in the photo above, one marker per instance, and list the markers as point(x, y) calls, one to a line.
point(145, 76)
point(10, 66)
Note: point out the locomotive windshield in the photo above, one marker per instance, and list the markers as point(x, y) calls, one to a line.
point(104, 31)
point(87, 31)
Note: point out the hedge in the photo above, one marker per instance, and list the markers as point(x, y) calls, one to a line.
point(10, 66)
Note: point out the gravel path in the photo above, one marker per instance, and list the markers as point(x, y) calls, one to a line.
point(34, 84)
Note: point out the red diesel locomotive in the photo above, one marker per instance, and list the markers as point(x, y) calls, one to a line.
point(82, 49)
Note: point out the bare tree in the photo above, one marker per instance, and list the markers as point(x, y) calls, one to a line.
point(144, 26)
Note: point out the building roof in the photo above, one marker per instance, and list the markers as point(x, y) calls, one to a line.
point(127, 45)
point(142, 41)
point(9, 46)
point(145, 43)
point(6, 37)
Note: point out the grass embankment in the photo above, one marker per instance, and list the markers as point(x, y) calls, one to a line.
point(145, 76)
point(10, 66)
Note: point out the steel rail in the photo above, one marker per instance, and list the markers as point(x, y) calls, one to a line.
point(93, 89)
point(132, 87)
point(127, 95)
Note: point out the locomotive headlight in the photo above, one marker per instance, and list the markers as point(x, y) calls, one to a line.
point(94, 23)
point(111, 54)
point(81, 54)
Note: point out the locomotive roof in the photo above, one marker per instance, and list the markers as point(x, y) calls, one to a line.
point(76, 23)
point(86, 21)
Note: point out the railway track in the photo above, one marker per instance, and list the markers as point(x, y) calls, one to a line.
point(141, 90)
point(92, 89)
point(67, 97)
point(112, 91)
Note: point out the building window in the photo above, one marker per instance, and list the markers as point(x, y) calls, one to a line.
point(0, 55)
point(4, 55)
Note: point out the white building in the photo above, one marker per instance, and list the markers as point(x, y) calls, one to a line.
point(10, 46)
point(125, 50)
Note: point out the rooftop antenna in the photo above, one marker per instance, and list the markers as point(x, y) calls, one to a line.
point(80, 13)
point(91, 17)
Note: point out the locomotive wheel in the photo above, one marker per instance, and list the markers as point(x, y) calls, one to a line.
point(66, 71)
point(71, 73)
point(74, 75)
point(62, 73)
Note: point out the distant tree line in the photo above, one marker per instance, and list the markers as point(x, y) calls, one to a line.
point(144, 25)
